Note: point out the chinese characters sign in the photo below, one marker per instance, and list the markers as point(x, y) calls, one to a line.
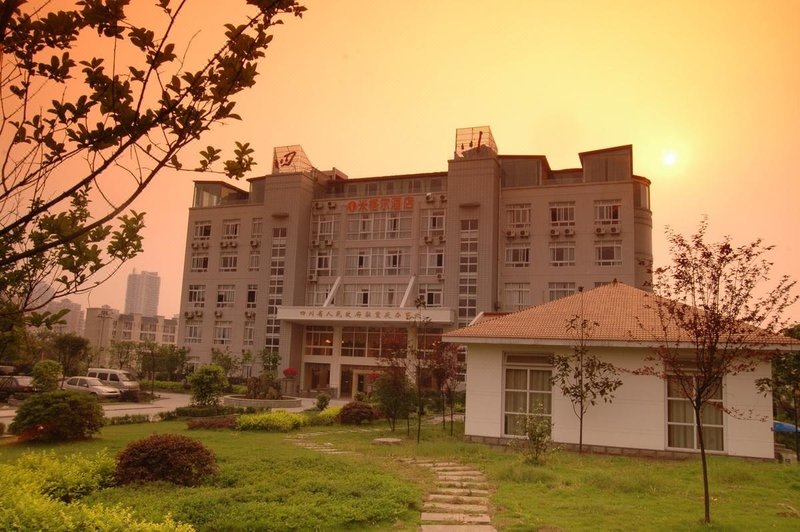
point(394, 203)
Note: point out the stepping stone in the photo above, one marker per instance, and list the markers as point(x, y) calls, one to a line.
point(457, 499)
point(457, 528)
point(454, 468)
point(462, 491)
point(466, 485)
point(461, 478)
point(387, 441)
point(441, 517)
point(462, 508)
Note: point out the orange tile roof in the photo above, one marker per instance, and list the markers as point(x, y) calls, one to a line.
point(622, 313)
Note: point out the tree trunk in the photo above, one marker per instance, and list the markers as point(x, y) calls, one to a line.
point(797, 425)
point(444, 409)
point(701, 441)
point(580, 431)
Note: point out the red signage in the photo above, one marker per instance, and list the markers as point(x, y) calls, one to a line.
point(395, 203)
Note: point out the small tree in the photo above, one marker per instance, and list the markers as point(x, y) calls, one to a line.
point(712, 321)
point(229, 362)
point(208, 384)
point(785, 387)
point(394, 394)
point(72, 351)
point(582, 377)
point(47, 375)
point(58, 416)
point(536, 441)
point(446, 367)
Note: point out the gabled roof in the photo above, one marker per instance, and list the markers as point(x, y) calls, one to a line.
point(623, 314)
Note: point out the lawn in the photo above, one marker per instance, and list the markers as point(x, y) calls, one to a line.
point(266, 483)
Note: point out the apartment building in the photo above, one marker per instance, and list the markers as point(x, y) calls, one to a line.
point(325, 269)
point(105, 325)
point(141, 296)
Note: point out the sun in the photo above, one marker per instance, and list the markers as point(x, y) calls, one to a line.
point(669, 158)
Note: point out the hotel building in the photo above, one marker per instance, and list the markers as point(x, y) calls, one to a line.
point(324, 269)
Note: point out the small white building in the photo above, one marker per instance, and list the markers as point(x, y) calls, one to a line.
point(509, 369)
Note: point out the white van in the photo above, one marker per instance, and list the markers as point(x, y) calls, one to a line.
point(117, 378)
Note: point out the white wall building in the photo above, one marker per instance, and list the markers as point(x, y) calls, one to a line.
point(323, 269)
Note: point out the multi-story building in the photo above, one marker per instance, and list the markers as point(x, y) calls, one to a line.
point(142, 294)
point(324, 269)
point(72, 321)
point(105, 325)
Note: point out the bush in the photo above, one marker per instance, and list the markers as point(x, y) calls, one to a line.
point(326, 417)
point(58, 416)
point(204, 411)
point(129, 419)
point(271, 421)
point(323, 400)
point(356, 412)
point(208, 384)
point(226, 422)
point(361, 397)
point(47, 375)
point(168, 457)
point(67, 478)
point(536, 442)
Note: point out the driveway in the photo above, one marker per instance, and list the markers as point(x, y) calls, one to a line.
point(165, 402)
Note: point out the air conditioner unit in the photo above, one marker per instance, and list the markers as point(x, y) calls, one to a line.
point(429, 198)
point(233, 244)
point(312, 277)
point(223, 244)
point(443, 198)
point(440, 276)
point(198, 313)
point(204, 245)
point(428, 239)
point(217, 313)
point(328, 242)
point(614, 230)
point(315, 243)
point(254, 243)
point(318, 205)
point(194, 245)
point(249, 313)
point(599, 230)
point(524, 233)
point(569, 232)
point(188, 314)
point(441, 239)
point(510, 233)
point(331, 204)
point(555, 232)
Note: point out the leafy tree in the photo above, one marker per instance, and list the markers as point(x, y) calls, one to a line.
point(208, 384)
point(711, 300)
point(446, 367)
point(785, 386)
point(582, 377)
point(229, 362)
point(124, 354)
point(95, 98)
point(47, 375)
point(394, 393)
point(72, 352)
point(270, 361)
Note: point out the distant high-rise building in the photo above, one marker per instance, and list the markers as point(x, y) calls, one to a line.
point(142, 295)
point(72, 321)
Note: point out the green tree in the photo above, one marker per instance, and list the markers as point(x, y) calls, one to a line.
point(582, 377)
point(446, 366)
point(394, 393)
point(229, 362)
point(47, 375)
point(93, 93)
point(711, 299)
point(72, 352)
point(124, 354)
point(208, 384)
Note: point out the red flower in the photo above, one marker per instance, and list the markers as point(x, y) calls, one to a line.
point(290, 372)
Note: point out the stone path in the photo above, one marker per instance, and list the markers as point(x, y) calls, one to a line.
point(459, 501)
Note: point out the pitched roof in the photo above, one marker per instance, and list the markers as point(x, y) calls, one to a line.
point(622, 313)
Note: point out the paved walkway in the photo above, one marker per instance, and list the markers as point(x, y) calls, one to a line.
point(458, 502)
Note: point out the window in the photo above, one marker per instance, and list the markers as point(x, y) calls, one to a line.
point(681, 429)
point(562, 254)
point(222, 332)
point(279, 232)
point(202, 230)
point(317, 293)
point(559, 290)
point(252, 290)
point(197, 295)
point(432, 260)
point(199, 262)
point(518, 255)
point(608, 253)
point(562, 214)
point(433, 223)
point(257, 228)
point(228, 261)
point(607, 212)
point(525, 388)
point(249, 332)
point(319, 340)
point(518, 216)
point(322, 262)
point(468, 272)
point(230, 229)
point(517, 295)
point(225, 294)
point(323, 227)
point(431, 294)
point(193, 334)
point(254, 261)
point(396, 262)
point(370, 341)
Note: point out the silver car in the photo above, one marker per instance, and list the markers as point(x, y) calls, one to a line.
point(90, 385)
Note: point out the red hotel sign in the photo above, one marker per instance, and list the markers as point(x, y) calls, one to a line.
point(395, 203)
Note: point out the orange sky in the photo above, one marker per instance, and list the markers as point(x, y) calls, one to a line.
point(378, 88)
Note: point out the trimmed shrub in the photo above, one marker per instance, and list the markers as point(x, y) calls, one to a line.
point(129, 419)
point(67, 478)
point(271, 421)
point(168, 457)
point(323, 400)
point(58, 416)
point(326, 417)
point(355, 413)
point(46, 375)
point(227, 422)
point(208, 384)
point(204, 411)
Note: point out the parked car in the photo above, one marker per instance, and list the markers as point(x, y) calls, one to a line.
point(116, 378)
point(11, 384)
point(90, 385)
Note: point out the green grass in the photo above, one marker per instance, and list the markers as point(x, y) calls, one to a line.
point(266, 483)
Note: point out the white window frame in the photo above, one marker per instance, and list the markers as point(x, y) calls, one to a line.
point(530, 393)
point(608, 253)
point(517, 295)
point(607, 212)
point(230, 229)
point(252, 296)
point(562, 214)
point(202, 230)
point(679, 398)
point(254, 260)
point(197, 295)
point(518, 216)
point(557, 290)
point(199, 263)
point(226, 295)
point(223, 331)
point(257, 228)
point(518, 255)
point(228, 261)
point(194, 334)
point(562, 254)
